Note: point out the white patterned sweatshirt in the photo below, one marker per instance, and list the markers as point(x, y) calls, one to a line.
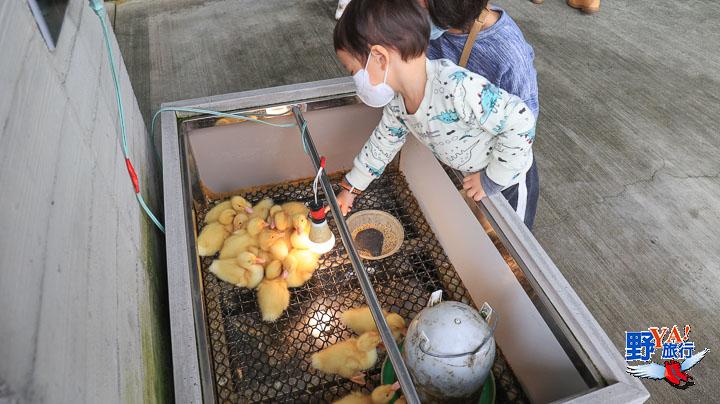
point(469, 124)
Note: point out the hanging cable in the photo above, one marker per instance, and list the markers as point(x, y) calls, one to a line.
point(99, 9)
point(317, 177)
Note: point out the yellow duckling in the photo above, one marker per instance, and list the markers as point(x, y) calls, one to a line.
point(236, 244)
point(273, 298)
point(268, 237)
point(350, 357)
point(228, 121)
point(243, 271)
point(214, 213)
point(281, 221)
point(262, 209)
point(239, 221)
point(360, 320)
point(300, 238)
point(295, 208)
point(211, 239)
point(241, 204)
point(280, 248)
point(300, 266)
point(275, 209)
point(273, 269)
point(256, 225)
point(226, 216)
point(380, 395)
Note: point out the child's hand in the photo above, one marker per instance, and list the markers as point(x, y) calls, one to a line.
point(472, 186)
point(345, 200)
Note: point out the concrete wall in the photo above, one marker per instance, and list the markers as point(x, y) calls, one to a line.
point(81, 314)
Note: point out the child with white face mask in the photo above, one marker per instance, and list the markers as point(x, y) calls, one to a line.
point(468, 123)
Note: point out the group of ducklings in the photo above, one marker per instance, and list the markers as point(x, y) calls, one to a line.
point(267, 247)
point(349, 358)
point(263, 246)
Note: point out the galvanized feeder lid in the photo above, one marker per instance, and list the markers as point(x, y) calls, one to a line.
point(450, 329)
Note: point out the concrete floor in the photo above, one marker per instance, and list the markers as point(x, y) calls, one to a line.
point(627, 146)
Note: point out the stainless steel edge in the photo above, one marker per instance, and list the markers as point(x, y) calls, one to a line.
point(195, 277)
point(594, 343)
point(186, 372)
point(393, 351)
point(275, 95)
point(591, 345)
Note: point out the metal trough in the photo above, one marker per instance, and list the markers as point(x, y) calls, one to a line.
point(552, 348)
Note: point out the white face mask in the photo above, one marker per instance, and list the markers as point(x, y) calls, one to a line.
point(435, 31)
point(373, 96)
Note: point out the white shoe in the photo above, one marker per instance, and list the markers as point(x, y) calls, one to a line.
point(341, 8)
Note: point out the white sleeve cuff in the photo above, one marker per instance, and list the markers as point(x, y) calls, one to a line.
point(358, 179)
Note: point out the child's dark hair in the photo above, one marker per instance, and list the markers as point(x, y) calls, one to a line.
point(458, 14)
point(397, 24)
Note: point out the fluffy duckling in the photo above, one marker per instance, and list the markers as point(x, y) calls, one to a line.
point(241, 204)
point(273, 269)
point(262, 209)
point(350, 357)
point(295, 208)
point(280, 248)
point(300, 266)
point(269, 237)
point(228, 121)
point(236, 244)
point(380, 395)
point(243, 271)
point(281, 221)
point(360, 320)
point(263, 255)
point(273, 298)
point(255, 272)
point(211, 239)
point(256, 225)
point(214, 213)
point(300, 238)
point(226, 216)
point(271, 216)
point(239, 221)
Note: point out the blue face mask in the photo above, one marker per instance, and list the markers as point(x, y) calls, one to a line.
point(435, 31)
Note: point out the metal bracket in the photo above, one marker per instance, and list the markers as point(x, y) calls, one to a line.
point(406, 383)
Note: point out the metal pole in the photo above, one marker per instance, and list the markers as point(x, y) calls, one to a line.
point(393, 351)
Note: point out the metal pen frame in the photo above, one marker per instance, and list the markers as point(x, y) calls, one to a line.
point(393, 351)
point(191, 370)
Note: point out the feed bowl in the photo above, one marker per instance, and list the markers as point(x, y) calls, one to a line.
point(376, 234)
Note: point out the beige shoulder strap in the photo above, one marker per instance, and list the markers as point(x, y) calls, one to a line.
point(477, 26)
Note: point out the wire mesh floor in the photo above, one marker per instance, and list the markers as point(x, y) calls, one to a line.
point(270, 362)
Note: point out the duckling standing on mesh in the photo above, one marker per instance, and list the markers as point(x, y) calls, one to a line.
point(360, 320)
point(350, 357)
point(211, 239)
point(244, 271)
point(273, 297)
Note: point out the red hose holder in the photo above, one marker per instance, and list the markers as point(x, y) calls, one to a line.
point(133, 175)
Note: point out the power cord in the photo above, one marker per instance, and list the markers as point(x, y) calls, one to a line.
point(99, 9)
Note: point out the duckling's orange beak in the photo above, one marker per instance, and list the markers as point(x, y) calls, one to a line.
point(395, 386)
point(259, 260)
point(249, 210)
point(284, 274)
